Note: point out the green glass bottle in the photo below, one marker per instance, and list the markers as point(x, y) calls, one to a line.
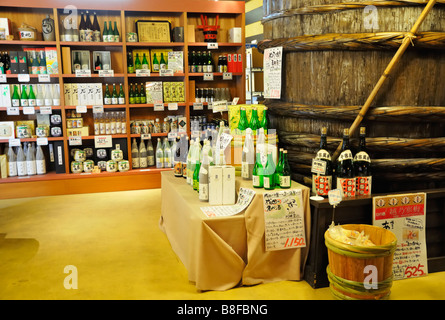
point(162, 63)
point(144, 62)
point(24, 98)
point(279, 168)
point(137, 62)
point(116, 35)
point(155, 63)
point(243, 124)
point(107, 97)
point(143, 96)
point(265, 121)
point(131, 95)
point(121, 99)
point(114, 97)
point(285, 176)
point(137, 94)
point(105, 33)
point(15, 98)
point(130, 65)
point(35, 66)
point(254, 123)
point(110, 33)
point(257, 172)
point(196, 176)
point(269, 173)
point(31, 97)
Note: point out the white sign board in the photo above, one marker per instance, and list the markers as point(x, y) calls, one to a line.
point(272, 62)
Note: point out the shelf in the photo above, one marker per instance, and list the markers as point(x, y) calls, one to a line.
point(93, 75)
point(27, 43)
point(138, 135)
point(33, 140)
point(113, 136)
point(156, 75)
point(14, 76)
point(215, 74)
point(220, 44)
point(155, 44)
point(151, 105)
point(91, 44)
point(106, 106)
point(36, 108)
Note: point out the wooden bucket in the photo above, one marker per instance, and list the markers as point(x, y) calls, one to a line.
point(333, 58)
point(346, 270)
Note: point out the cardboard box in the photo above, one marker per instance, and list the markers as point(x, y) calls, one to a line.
point(52, 64)
point(68, 94)
point(6, 92)
point(191, 33)
point(98, 94)
point(66, 60)
point(154, 92)
point(13, 55)
point(5, 23)
point(158, 56)
point(23, 62)
point(84, 57)
point(7, 130)
point(56, 157)
point(235, 35)
point(228, 184)
point(75, 94)
point(105, 59)
point(215, 185)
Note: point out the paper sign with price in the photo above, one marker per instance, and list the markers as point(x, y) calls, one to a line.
point(404, 215)
point(284, 220)
point(272, 61)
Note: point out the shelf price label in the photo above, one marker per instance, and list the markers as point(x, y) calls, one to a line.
point(219, 106)
point(46, 110)
point(208, 76)
point(103, 141)
point(142, 73)
point(106, 73)
point(2, 78)
point(23, 77)
point(81, 109)
point(158, 107)
point(12, 111)
point(227, 76)
point(166, 72)
point(42, 141)
point(75, 140)
point(172, 106)
point(212, 45)
point(14, 142)
point(198, 106)
point(145, 136)
point(44, 78)
point(29, 110)
point(98, 109)
point(83, 73)
point(172, 135)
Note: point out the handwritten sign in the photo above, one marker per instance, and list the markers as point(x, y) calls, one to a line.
point(272, 61)
point(245, 196)
point(404, 215)
point(103, 141)
point(284, 220)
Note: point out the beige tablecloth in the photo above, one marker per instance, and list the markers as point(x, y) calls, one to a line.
point(220, 253)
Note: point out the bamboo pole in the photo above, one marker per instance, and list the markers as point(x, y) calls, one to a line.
point(406, 41)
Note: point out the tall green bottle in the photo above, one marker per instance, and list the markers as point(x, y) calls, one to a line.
point(269, 173)
point(130, 65)
point(196, 176)
point(155, 63)
point(162, 63)
point(131, 95)
point(265, 121)
point(15, 98)
point(121, 99)
point(24, 98)
point(279, 168)
point(243, 123)
point(105, 33)
point(137, 63)
point(142, 94)
point(257, 173)
point(114, 97)
point(144, 62)
point(285, 176)
point(137, 94)
point(254, 122)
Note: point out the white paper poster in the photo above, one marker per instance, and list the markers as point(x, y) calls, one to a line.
point(284, 220)
point(245, 196)
point(404, 215)
point(272, 62)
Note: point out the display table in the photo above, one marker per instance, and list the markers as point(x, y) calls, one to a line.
point(220, 253)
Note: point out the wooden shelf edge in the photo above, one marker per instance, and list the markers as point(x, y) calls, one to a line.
point(155, 44)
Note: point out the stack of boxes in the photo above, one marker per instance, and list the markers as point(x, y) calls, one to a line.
point(221, 185)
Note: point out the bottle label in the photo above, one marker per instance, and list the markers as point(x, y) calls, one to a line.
point(318, 166)
point(203, 192)
point(347, 187)
point(21, 168)
point(40, 102)
point(32, 102)
point(113, 100)
point(362, 156)
point(31, 167)
point(266, 182)
point(96, 129)
point(156, 67)
point(135, 162)
point(144, 66)
point(256, 181)
point(12, 169)
point(107, 128)
point(363, 186)
point(15, 102)
point(124, 127)
point(245, 170)
point(107, 100)
point(40, 166)
point(96, 36)
point(143, 162)
point(121, 100)
point(323, 154)
point(321, 185)
point(167, 162)
point(204, 68)
point(345, 155)
point(285, 181)
point(24, 102)
point(159, 163)
point(151, 160)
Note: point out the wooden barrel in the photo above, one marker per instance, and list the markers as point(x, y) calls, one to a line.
point(333, 57)
point(346, 270)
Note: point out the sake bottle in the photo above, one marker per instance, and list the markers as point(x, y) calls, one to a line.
point(150, 153)
point(105, 33)
point(40, 161)
point(144, 62)
point(142, 94)
point(155, 63)
point(24, 98)
point(21, 162)
point(258, 171)
point(123, 123)
point(114, 97)
point(196, 175)
point(31, 161)
point(107, 96)
point(285, 176)
point(269, 173)
point(204, 179)
point(112, 122)
point(248, 156)
point(167, 154)
point(142, 155)
point(189, 160)
point(159, 155)
point(12, 162)
point(56, 95)
point(31, 97)
point(121, 98)
point(15, 98)
point(48, 96)
point(110, 33)
point(135, 154)
point(40, 100)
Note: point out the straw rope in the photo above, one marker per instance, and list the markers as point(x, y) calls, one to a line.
point(387, 113)
point(356, 41)
point(328, 8)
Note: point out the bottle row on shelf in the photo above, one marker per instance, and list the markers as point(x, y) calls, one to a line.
point(174, 124)
point(204, 95)
point(30, 61)
point(26, 160)
point(32, 95)
point(203, 62)
point(352, 174)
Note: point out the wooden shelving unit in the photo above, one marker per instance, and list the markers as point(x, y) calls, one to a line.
point(180, 14)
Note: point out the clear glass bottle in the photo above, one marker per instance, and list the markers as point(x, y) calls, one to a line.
point(40, 161)
point(159, 155)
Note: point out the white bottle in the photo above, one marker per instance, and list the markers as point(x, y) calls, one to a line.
point(21, 162)
point(56, 95)
point(167, 154)
point(123, 123)
point(248, 156)
point(12, 162)
point(48, 95)
point(204, 179)
point(142, 155)
point(159, 155)
point(31, 161)
point(40, 161)
point(40, 100)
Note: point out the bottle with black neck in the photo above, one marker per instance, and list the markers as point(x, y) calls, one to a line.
point(322, 168)
point(345, 168)
point(362, 167)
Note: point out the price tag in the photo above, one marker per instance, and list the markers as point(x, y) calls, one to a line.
point(46, 110)
point(235, 101)
point(103, 141)
point(219, 106)
point(172, 106)
point(227, 75)
point(166, 72)
point(212, 45)
point(75, 141)
point(98, 109)
point(334, 197)
point(196, 134)
point(2, 78)
point(12, 111)
point(106, 73)
point(158, 107)
point(81, 109)
point(172, 135)
point(145, 136)
point(208, 76)
point(42, 141)
point(29, 110)
point(198, 106)
point(44, 78)
point(83, 73)
point(23, 77)
point(318, 166)
point(142, 73)
point(14, 142)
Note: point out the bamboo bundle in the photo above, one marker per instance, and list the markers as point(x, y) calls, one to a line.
point(388, 113)
point(355, 41)
point(325, 8)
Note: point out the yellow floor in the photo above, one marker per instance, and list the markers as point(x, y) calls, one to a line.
point(114, 241)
